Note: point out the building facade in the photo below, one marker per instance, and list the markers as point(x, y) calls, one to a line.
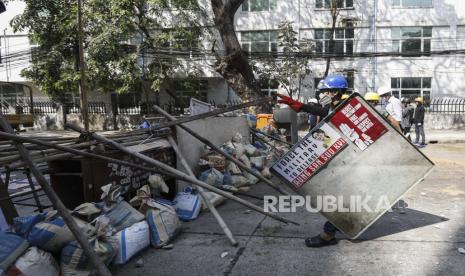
point(397, 26)
point(434, 29)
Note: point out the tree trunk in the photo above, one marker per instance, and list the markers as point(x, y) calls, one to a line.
point(234, 65)
point(334, 14)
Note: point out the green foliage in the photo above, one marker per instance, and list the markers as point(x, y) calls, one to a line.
point(124, 46)
point(288, 70)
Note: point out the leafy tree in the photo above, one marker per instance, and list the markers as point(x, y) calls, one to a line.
point(288, 70)
point(126, 45)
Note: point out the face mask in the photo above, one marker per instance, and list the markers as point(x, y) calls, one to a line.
point(325, 99)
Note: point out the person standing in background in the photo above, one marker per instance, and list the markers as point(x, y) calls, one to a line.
point(418, 121)
point(407, 118)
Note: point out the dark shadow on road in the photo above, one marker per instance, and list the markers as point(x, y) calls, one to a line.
point(399, 220)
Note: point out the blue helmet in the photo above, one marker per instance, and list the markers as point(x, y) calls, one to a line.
point(334, 82)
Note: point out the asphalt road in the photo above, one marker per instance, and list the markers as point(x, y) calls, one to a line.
point(422, 239)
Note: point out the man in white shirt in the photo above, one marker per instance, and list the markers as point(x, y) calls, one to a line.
point(393, 108)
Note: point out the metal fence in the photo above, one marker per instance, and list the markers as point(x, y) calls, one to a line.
point(446, 106)
point(43, 106)
point(93, 108)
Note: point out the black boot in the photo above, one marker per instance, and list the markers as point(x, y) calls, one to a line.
point(317, 241)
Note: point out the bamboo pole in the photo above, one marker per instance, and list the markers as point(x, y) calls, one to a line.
point(171, 171)
point(207, 201)
point(220, 151)
point(211, 113)
point(58, 205)
point(163, 168)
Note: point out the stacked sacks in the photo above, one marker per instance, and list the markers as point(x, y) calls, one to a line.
point(130, 241)
point(161, 217)
point(73, 259)
point(187, 204)
point(11, 247)
point(35, 262)
point(47, 231)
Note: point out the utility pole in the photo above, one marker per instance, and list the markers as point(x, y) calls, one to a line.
point(82, 65)
point(374, 42)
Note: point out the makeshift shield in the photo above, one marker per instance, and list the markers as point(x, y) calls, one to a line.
point(353, 166)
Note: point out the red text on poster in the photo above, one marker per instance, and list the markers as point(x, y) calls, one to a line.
point(358, 124)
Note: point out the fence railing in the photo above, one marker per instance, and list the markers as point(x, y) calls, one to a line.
point(446, 106)
point(43, 106)
point(93, 108)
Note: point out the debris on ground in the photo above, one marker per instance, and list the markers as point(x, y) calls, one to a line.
point(224, 254)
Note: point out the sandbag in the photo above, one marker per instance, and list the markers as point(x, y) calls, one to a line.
point(216, 161)
point(239, 149)
point(266, 173)
point(187, 204)
point(35, 262)
point(11, 247)
point(163, 223)
point(130, 241)
point(212, 177)
point(75, 262)
point(233, 169)
point(158, 184)
point(251, 179)
point(239, 180)
point(229, 148)
point(122, 215)
point(237, 138)
point(258, 162)
point(23, 225)
point(53, 234)
point(87, 211)
point(246, 161)
point(250, 150)
point(214, 198)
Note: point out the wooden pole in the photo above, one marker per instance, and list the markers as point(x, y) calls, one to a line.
point(207, 201)
point(82, 72)
point(220, 151)
point(7, 206)
point(163, 168)
point(179, 175)
point(58, 205)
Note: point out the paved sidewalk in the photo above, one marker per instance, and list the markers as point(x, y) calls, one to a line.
point(443, 136)
point(422, 240)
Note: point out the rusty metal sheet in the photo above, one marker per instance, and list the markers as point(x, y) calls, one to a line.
point(373, 163)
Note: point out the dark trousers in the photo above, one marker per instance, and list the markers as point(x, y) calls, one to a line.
point(419, 131)
point(405, 131)
point(330, 229)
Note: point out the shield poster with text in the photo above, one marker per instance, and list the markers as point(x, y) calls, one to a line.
point(366, 166)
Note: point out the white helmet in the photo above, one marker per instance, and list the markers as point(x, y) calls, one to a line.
point(384, 90)
point(313, 100)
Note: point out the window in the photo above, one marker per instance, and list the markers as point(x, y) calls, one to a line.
point(187, 38)
point(411, 40)
point(411, 88)
point(343, 42)
point(11, 92)
point(187, 89)
point(326, 4)
point(268, 86)
point(259, 42)
point(413, 3)
point(259, 5)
